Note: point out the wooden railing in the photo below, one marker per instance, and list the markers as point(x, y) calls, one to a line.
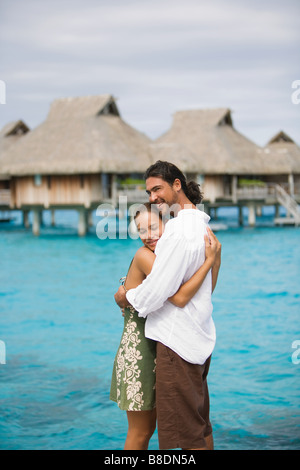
point(288, 202)
point(4, 197)
point(252, 192)
point(133, 192)
point(268, 190)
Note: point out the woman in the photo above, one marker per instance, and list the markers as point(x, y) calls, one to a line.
point(133, 380)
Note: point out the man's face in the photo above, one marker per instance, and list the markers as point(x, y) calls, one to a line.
point(161, 193)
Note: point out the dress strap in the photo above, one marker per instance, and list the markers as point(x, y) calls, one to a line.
point(123, 279)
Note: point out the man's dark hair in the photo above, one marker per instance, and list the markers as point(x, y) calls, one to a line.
point(169, 173)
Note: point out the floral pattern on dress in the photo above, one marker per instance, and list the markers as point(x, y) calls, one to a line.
point(127, 365)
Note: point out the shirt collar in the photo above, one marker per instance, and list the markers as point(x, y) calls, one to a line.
point(197, 212)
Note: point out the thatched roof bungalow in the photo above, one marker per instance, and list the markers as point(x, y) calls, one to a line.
point(81, 136)
point(9, 136)
point(219, 154)
point(73, 157)
point(216, 146)
point(283, 153)
point(76, 156)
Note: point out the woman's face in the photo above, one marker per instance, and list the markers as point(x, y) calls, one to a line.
point(150, 228)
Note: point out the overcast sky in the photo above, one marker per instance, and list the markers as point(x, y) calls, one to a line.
point(156, 57)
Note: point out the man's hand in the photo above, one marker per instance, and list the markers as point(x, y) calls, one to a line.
point(120, 297)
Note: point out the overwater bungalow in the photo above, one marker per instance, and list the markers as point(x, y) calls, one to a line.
point(75, 158)
point(9, 135)
point(84, 154)
point(283, 154)
point(232, 170)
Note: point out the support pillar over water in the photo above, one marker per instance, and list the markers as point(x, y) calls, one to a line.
point(251, 215)
point(241, 219)
point(26, 218)
point(82, 222)
point(259, 210)
point(52, 217)
point(90, 218)
point(36, 221)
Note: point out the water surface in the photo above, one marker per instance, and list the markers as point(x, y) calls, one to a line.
point(62, 329)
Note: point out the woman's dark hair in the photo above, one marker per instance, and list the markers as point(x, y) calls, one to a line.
point(169, 173)
point(147, 207)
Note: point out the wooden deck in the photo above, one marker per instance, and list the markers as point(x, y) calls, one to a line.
point(85, 196)
point(5, 197)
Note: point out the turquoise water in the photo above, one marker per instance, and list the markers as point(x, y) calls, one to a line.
point(61, 329)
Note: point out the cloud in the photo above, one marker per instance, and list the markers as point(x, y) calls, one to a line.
point(155, 56)
point(56, 26)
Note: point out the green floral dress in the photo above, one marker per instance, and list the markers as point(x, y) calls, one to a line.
point(133, 378)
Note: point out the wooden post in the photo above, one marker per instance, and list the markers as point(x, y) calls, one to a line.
point(36, 223)
point(241, 219)
point(114, 190)
point(234, 182)
point(26, 218)
point(82, 222)
point(90, 218)
point(52, 217)
point(259, 210)
point(251, 215)
point(291, 185)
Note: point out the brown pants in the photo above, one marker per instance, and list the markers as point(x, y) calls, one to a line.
point(182, 401)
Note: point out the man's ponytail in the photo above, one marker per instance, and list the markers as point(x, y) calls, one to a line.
point(194, 193)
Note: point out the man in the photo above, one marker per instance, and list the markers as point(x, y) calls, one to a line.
point(185, 336)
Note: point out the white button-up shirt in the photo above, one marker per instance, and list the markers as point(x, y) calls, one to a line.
point(189, 331)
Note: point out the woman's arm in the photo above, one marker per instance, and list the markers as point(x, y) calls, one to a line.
point(189, 288)
point(145, 259)
point(216, 268)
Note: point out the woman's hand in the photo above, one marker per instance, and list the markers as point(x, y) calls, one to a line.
point(120, 297)
point(213, 250)
point(212, 247)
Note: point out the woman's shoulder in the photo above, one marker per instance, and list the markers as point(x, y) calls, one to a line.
point(141, 253)
point(144, 259)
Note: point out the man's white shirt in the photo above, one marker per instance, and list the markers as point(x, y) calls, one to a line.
point(180, 252)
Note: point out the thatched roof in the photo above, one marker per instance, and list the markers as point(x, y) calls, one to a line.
point(284, 152)
point(9, 135)
point(214, 146)
point(178, 154)
point(81, 135)
point(87, 135)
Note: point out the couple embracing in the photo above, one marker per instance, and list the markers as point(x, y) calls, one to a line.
point(160, 370)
